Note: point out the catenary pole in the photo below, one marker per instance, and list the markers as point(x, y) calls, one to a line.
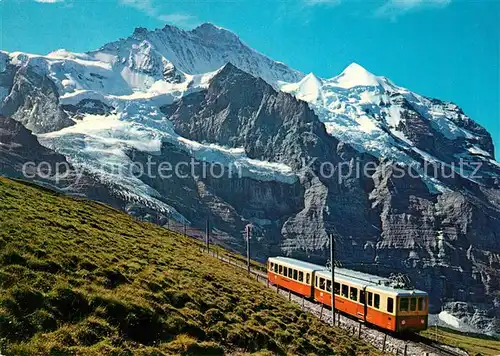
point(207, 234)
point(332, 266)
point(249, 231)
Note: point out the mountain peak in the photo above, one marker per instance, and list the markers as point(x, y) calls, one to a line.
point(311, 77)
point(208, 26)
point(210, 32)
point(203, 49)
point(308, 89)
point(355, 75)
point(230, 72)
point(140, 31)
point(355, 68)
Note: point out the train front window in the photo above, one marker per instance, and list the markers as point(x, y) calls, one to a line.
point(301, 276)
point(376, 301)
point(421, 304)
point(336, 286)
point(403, 304)
point(413, 304)
point(329, 286)
point(370, 298)
point(345, 290)
point(390, 305)
point(271, 266)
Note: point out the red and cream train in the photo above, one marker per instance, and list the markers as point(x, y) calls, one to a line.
point(367, 297)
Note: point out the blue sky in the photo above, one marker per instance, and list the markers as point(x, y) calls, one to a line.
point(448, 49)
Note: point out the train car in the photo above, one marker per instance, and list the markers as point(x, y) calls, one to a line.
point(412, 310)
point(368, 297)
point(292, 274)
point(349, 293)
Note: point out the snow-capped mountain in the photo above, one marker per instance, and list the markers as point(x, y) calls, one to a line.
point(169, 55)
point(203, 95)
point(358, 101)
point(375, 115)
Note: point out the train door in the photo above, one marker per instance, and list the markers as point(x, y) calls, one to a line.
point(360, 304)
point(362, 300)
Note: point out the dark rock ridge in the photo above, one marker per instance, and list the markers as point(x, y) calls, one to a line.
point(420, 131)
point(270, 125)
point(88, 106)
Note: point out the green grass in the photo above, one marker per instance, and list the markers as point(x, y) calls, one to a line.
point(473, 344)
point(78, 277)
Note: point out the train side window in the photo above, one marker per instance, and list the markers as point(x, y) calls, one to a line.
point(317, 283)
point(376, 301)
point(271, 266)
point(275, 268)
point(420, 303)
point(362, 296)
point(403, 304)
point(285, 271)
point(413, 304)
point(345, 290)
point(390, 305)
point(329, 286)
point(290, 272)
point(295, 274)
point(354, 294)
point(370, 298)
point(336, 286)
point(322, 283)
point(301, 276)
point(280, 269)
point(307, 278)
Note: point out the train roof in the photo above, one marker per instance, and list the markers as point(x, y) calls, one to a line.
point(351, 276)
point(369, 280)
point(298, 263)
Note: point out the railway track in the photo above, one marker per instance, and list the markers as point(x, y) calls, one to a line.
point(411, 344)
point(434, 346)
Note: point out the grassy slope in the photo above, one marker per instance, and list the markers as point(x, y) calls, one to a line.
point(473, 344)
point(79, 277)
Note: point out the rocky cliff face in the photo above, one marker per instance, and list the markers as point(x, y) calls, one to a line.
point(354, 155)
